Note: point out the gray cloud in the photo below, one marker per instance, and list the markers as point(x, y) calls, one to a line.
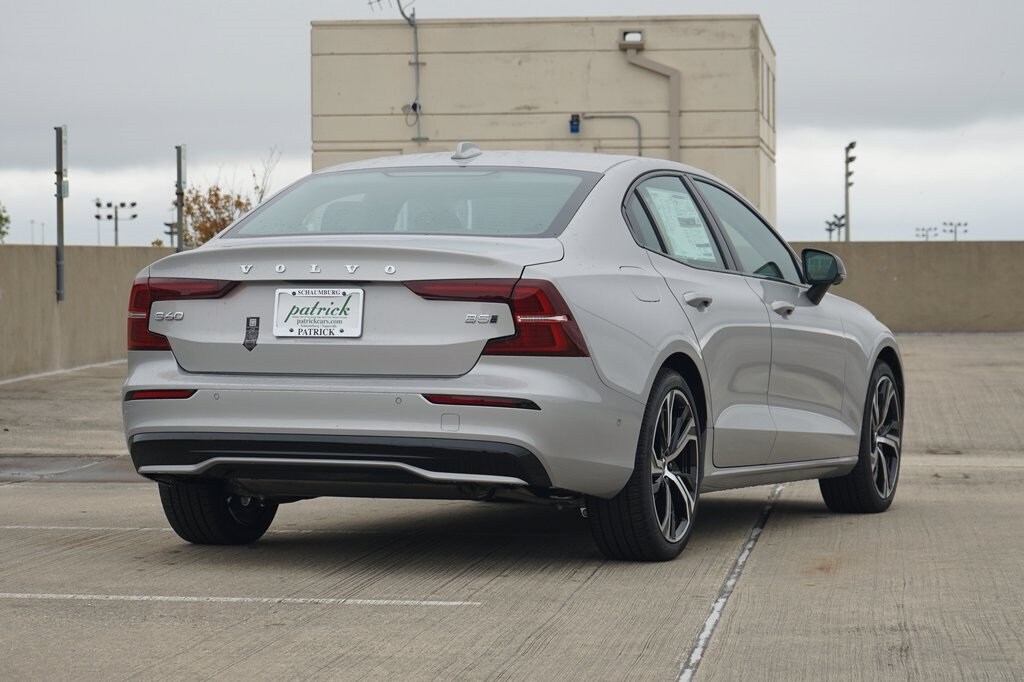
point(132, 79)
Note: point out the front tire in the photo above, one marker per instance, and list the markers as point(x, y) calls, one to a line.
point(871, 486)
point(203, 513)
point(652, 517)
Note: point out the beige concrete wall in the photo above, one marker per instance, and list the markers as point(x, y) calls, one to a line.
point(934, 286)
point(38, 334)
point(513, 83)
point(910, 286)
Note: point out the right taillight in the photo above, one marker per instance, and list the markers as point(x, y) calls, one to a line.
point(544, 324)
point(148, 290)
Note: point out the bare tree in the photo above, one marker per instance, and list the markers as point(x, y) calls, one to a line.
point(261, 182)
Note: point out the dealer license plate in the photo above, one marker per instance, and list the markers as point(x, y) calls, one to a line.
point(319, 312)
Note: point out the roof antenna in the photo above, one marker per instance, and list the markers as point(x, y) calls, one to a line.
point(466, 151)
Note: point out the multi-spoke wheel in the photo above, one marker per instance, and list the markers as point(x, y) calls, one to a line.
point(202, 512)
point(652, 517)
point(871, 485)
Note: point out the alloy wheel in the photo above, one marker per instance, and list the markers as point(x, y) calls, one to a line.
point(674, 465)
point(886, 431)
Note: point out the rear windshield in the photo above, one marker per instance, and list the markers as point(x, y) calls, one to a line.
point(489, 202)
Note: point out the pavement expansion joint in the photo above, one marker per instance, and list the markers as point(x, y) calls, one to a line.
point(704, 637)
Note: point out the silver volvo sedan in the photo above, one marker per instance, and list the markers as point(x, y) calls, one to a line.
point(623, 334)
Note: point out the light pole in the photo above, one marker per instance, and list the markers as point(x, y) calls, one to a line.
point(847, 184)
point(116, 215)
point(925, 233)
point(954, 229)
point(98, 221)
point(830, 227)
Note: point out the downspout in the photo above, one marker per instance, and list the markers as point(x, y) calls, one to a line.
point(632, 49)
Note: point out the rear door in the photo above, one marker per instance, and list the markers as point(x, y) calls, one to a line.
point(728, 318)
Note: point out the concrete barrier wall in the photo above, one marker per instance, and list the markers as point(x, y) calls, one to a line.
point(935, 286)
point(38, 334)
point(910, 286)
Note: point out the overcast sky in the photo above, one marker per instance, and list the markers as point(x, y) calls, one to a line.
point(933, 93)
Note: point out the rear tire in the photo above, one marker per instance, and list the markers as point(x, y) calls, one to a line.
point(203, 513)
point(653, 515)
point(871, 486)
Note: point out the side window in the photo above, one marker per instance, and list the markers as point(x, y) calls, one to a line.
point(759, 250)
point(642, 227)
point(683, 230)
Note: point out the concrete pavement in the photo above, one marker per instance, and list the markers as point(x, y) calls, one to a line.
point(93, 584)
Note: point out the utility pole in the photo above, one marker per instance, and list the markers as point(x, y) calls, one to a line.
point(954, 229)
point(61, 194)
point(179, 198)
point(925, 233)
point(847, 184)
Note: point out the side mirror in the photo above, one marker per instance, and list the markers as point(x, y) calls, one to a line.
point(821, 270)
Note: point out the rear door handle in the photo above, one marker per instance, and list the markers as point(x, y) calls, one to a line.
point(783, 308)
point(698, 301)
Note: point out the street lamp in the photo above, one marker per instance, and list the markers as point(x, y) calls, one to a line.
point(116, 215)
point(954, 229)
point(925, 233)
point(847, 184)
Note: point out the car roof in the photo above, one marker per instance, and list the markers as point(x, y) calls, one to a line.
point(578, 161)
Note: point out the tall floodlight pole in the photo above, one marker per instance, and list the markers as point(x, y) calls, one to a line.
point(925, 233)
point(61, 193)
point(116, 215)
point(847, 183)
point(179, 198)
point(954, 229)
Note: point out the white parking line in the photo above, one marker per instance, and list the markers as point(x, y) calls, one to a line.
point(55, 372)
point(697, 653)
point(235, 600)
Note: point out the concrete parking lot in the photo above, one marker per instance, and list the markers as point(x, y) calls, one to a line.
point(93, 584)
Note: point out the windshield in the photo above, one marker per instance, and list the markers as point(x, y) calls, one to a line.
point(487, 202)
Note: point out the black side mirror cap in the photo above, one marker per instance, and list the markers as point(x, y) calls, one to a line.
point(821, 270)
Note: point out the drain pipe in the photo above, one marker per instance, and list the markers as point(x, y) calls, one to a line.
point(632, 42)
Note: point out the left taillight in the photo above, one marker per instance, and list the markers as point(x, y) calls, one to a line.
point(148, 290)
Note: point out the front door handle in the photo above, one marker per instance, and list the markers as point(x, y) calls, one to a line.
point(783, 308)
point(698, 301)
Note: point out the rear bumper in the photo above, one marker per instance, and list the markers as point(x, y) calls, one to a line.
point(582, 439)
point(312, 457)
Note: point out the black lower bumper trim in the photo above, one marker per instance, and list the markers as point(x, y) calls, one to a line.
point(443, 455)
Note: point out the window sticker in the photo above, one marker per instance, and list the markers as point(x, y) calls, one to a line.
point(685, 231)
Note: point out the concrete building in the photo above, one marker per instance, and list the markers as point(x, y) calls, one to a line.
point(516, 83)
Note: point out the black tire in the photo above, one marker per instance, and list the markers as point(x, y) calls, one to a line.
point(202, 513)
point(871, 486)
point(630, 525)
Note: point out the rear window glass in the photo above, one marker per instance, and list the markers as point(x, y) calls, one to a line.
point(489, 202)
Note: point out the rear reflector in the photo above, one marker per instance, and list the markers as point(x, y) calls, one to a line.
point(168, 394)
point(481, 401)
point(148, 290)
point(544, 323)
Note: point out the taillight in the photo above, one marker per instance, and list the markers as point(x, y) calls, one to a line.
point(544, 324)
point(148, 290)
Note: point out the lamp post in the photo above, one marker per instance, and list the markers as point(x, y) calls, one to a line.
point(116, 215)
point(830, 227)
point(847, 184)
point(954, 229)
point(925, 233)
